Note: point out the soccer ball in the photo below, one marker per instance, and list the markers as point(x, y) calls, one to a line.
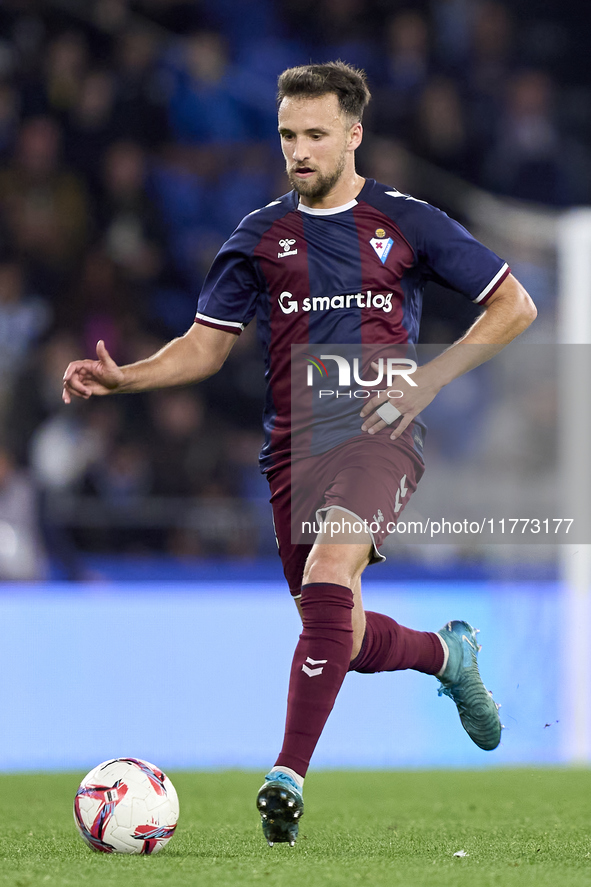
point(126, 806)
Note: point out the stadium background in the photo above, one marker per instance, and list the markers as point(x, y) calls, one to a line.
point(139, 572)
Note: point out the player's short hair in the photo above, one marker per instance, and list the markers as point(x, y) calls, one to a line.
point(348, 83)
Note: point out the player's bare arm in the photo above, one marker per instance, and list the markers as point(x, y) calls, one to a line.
point(191, 358)
point(508, 312)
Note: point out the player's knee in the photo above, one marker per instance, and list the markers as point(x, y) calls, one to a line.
point(324, 565)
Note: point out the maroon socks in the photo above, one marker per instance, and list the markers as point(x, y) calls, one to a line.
point(322, 659)
point(388, 646)
point(320, 663)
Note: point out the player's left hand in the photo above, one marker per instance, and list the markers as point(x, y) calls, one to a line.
point(408, 400)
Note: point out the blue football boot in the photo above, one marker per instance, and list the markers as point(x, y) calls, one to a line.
point(461, 681)
point(281, 805)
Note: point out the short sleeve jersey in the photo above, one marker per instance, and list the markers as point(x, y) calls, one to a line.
point(350, 275)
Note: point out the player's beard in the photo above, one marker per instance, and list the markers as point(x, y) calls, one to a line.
point(316, 189)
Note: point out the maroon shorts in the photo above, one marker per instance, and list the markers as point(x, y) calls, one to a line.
point(370, 477)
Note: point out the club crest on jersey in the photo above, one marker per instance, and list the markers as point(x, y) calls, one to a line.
point(286, 246)
point(382, 244)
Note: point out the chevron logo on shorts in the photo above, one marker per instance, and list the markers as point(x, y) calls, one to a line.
point(314, 672)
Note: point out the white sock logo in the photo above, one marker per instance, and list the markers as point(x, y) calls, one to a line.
point(313, 672)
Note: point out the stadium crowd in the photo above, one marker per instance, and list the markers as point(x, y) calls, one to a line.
point(134, 136)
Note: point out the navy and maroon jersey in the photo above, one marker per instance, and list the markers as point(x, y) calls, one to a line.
point(352, 275)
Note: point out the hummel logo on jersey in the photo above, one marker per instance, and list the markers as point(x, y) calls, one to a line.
point(286, 246)
point(382, 244)
point(314, 672)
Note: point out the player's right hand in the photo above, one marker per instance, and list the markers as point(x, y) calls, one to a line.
point(83, 378)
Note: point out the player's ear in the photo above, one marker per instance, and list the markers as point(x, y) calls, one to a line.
point(355, 135)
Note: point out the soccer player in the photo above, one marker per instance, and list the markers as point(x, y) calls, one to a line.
point(339, 260)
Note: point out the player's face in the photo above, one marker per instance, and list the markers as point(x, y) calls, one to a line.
point(318, 141)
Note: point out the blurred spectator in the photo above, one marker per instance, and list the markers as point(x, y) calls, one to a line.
point(452, 20)
point(9, 112)
point(66, 62)
point(122, 475)
point(529, 157)
point(111, 15)
point(116, 476)
point(440, 133)
point(54, 73)
point(28, 38)
point(203, 104)
point(61, 450)
point(36, 396)
point(240, 382)
point(242, 21)
point(219, 526)
point(90, 127)
point(44, 205)
point(345, 29)
point(408, 50)
point(407, 67)
point(176, 16)
point(386, 161)
point(24, 317)
point(184, 451)
point(129, 224)
point(489, 66)
point(7, 58)
point(184, 188)
point(243, 185)
point(99, 303)
point(456, 419)
point(252, 488)
point(22, 555)
point(492, 44)
point(139, 112)
point(58, 444)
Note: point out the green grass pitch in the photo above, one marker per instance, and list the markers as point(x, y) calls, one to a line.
point(391, 829)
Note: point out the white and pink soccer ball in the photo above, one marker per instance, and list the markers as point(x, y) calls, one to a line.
point(126, 805)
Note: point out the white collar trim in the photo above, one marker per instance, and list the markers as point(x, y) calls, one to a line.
point(326, 212)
